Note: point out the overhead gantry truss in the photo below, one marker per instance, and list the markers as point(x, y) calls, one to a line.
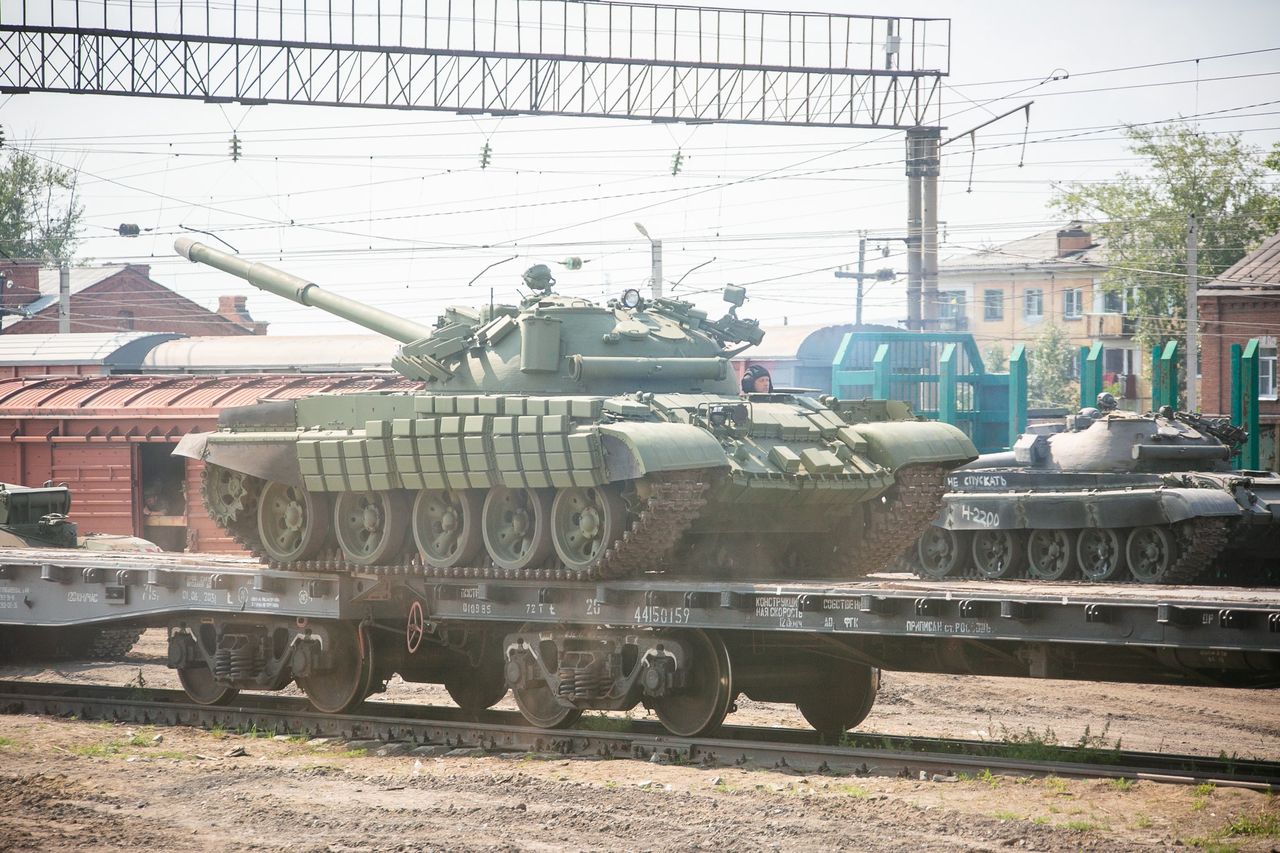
point(502, 57)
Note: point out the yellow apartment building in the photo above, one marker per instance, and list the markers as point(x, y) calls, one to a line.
point(1004, 295)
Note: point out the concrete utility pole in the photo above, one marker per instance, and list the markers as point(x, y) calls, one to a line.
point(1193, 313)
point(923, 167)
point(883, 274)
point(655, 262)
point(64, 299)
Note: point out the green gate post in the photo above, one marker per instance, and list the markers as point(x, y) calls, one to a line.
point(947, 385)
point(1017, 392)
point(880, 373)
point(1246, 395)
point(1164, 372)
point(1237, 389)
point(1090, 374)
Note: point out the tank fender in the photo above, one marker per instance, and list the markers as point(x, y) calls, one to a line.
point(1072, 510)
point(893, 444)
point(632, 450)
point(269, 456)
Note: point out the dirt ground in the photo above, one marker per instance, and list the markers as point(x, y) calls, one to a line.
point(76, 785)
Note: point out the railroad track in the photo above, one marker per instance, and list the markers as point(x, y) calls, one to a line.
point(506, 732)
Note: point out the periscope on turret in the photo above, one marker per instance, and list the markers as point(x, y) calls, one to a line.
point(558, 438)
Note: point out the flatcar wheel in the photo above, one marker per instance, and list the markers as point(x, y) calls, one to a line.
point(585, 521)
point(701, 705)
point(843, 700)
point(349, 678)
point(1151, 552)
point(941, 552)
point(539, 706)
point(517, 527)
point(999, 554)
point(199, 685)
point(1051, 554)
point(292, 522)
point(476, 688)
point(371, 526)
point(1101, 553)
point(446, 526)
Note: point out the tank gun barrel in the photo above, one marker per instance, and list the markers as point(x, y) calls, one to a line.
point(303, 292)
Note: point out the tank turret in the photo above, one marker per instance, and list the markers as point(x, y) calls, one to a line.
point(548, 344)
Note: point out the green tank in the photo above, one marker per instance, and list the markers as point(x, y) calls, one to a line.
point(559, 438)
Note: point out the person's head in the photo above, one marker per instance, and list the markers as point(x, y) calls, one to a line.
point(756, 380)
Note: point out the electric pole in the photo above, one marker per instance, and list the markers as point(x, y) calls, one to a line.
point(862, 275)
point(1193, 313)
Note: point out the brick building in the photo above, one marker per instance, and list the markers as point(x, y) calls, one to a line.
point(110, 299)
point(1242, 303)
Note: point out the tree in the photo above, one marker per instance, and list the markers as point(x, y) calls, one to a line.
point(39, 211)
point(1049, 381)
point(1143, 218)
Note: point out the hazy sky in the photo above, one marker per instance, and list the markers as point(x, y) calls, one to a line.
point(392, 207)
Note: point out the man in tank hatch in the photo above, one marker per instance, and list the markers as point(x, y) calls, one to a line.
point(756, 380)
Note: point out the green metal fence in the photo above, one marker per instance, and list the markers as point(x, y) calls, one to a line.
point(942, 376)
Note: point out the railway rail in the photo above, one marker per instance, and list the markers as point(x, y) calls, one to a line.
point(500, 732)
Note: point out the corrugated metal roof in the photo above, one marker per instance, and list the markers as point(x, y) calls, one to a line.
point(296, 353)
point(1036, 251)
point(100, 395)
point(117, 349)
point(1255, 272)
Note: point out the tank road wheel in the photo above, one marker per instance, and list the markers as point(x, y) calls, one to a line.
point(293, 523)
point(198, 683)
point(371, 526)
point(1151, 552)
point(517, 527)
point(842, 701)
point(1051, 554)
point(701, 705)
point(941, 552)
point(584, 523)
point(349, 678)
point(446, 526)
point(999, 554)
point(1101, 553)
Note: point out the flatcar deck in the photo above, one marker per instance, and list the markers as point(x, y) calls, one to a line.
point(1160, 634)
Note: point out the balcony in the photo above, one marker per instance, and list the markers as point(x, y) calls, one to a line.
point(1108, 326)
point(954, 323)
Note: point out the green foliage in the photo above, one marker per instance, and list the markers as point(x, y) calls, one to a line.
point(1049, 381)
point(1266, 824)
point(39, 211)
point(994, 359)
point(1143, 217)
point(1121, 784)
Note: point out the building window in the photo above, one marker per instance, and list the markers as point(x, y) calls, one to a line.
point(951, 313)
point(1072, 304)
point(1113, 302)
point(993, 305)
point(1033, 304)
point(126, 321)
point(1267, 373)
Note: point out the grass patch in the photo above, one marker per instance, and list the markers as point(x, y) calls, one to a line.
point(602, 721)
point(1056, 784)
point(1033, 745)
point(1082, 825)
point(1040, 820)
point(1121, 784)
point(1006, 815)
point(98, 750)
point(1265, 825)
point(988, 778)
point(1204, 789)
point(856, 791)
point(352, 753)
point(1142, 822)
point(1210, 845)
point(7, 741)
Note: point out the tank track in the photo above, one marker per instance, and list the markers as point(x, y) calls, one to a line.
point(1203, 539)
point(657, 525)
point(892, 526)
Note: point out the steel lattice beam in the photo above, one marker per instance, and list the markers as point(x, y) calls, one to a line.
point(546, 57)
